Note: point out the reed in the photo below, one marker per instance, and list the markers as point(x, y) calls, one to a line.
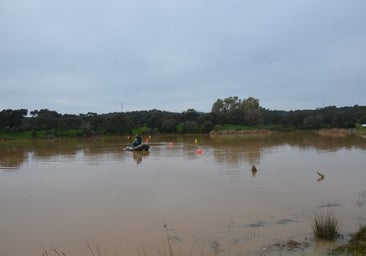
point(325, 225)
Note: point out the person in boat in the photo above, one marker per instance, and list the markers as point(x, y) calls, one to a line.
point(137, 141)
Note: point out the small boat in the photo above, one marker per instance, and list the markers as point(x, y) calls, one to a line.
point(141, 147)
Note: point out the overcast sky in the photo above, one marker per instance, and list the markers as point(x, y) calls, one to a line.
point(80, 56)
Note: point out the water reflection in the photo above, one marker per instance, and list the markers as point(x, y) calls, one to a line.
point(233, 149)
point(229, 150)
point(46, 149)
point(13, 155)
point(210, 196)
point(139, 155)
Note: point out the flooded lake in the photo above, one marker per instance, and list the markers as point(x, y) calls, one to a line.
point(79, 195)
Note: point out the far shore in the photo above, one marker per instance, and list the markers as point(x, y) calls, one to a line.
point(232, 131)
point(259, 132)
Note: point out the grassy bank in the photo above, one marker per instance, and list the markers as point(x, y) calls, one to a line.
point(356, 246)
point(44, 134)
point(21, 135)
point(227, 129)
point(238, 130)
point(360, 130)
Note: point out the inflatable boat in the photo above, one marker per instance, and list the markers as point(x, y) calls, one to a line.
point(141, 147)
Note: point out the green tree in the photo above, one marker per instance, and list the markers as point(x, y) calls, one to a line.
point(233, 110)
point(252, 112)
point(45, 119)
point(117, 123)
point(168, 126)
point(313, 122)
point(190, 127)
point(154, 122)
point(250, 104)
point(190, 115)
point(229, 104)
point(12, 120)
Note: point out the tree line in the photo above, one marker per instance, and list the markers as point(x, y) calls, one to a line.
point(231, 111)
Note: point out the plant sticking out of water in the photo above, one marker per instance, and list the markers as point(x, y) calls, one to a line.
point(169, 240)
point(355, 246)
point(216, 248)
point(140, 249)
point(173, 247)
point(93, 252)
point(53, 251)
point(325, 225)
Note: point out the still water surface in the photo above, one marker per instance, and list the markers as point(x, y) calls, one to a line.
point(66, 194)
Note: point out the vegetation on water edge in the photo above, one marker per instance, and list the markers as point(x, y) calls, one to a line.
point(231, 127)
point(356, 246)
point(231, 113)
point(70, 133)
point(325, 226)
point(360, 129)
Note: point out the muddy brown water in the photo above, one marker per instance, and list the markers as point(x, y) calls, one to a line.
point(73, 194)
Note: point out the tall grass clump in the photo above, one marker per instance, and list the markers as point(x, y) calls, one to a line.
point(325, 225)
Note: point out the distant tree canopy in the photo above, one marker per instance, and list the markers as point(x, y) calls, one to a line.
point(12, 120)
point(232, 104)
point(231, 110)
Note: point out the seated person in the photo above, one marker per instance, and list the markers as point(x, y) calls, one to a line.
point(137, 141)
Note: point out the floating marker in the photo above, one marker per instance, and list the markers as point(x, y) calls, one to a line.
point(171, 144)
point(199, 151)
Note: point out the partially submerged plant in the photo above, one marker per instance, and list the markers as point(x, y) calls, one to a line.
point(325, 225)
point(216, 247)
point(355, 246)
